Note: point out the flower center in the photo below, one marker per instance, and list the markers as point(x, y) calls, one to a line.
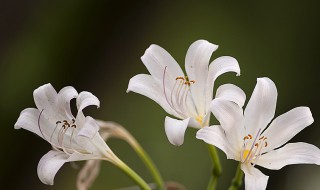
point(199, 119)
point(178, 96)
point(64, 125)
point(252, 147)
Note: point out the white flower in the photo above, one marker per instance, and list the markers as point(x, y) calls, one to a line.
point(72, 138)
point(245, 137)
point(185, 97)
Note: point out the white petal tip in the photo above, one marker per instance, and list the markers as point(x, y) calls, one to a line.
point(16, 126)
point(175, 130)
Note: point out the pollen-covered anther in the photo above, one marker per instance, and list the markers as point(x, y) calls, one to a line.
point(247, 137)
point(180, 78)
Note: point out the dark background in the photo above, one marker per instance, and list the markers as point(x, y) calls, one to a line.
point(97, 45)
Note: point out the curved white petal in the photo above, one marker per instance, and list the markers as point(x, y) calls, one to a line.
point(85, 99)
point(49, 165)
point(64, 97)
point(218, 67)
point(175, 130)
point(261, 106)
point(89, 129)
point(147, 86)
point(291, 153)
point(230, 116)
point(254, 178)
point(31, 120)
point(89, 138)
point(158, 60)
point(232, 93)
point(197, 61)
point(45, 98)
point(28, 120)
point(286, 126)
point(215, 136)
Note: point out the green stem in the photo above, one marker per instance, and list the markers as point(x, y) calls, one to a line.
point(217, 170)
point(237, 180)
point(212, 183)
point(149, 163)
point(132, 174)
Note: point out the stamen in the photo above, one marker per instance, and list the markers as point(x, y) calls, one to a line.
point(177, 98)
point(57, 123)
point(254, 142)
point(253, 154)
point(179, 78)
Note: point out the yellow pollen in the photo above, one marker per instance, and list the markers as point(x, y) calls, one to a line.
point(199, 119)
point(245, 154)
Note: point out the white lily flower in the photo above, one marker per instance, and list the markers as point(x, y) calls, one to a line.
point(72, 138)
point(245, 137)
point(185, 97)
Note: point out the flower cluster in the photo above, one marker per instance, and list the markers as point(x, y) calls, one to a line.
point(251, 137)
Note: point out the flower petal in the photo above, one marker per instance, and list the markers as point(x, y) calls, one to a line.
point(197, 62)
point(64, 97)
point(89, 129)
point(254, 178)
point(286, 126)
point(158, 60)
point(215, 136)
point(147, 86)
point(31, 119)
point(49, 165)
point(218, 67)
point(261, 106)
point(232, 93)
point(86, 99)
point(28, 120)
point(45, 97)
point(230, 116)
point(291, 153)
point(175, 130)
point(89, 139)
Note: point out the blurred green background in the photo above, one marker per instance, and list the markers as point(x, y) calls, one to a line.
point(97, 45)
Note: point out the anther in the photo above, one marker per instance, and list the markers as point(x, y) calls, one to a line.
point(257, 144)
point(179, 78)
point(250, 136)
point(58, 122)
point(261, 138)
point(192, 81)
point(265, 144)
